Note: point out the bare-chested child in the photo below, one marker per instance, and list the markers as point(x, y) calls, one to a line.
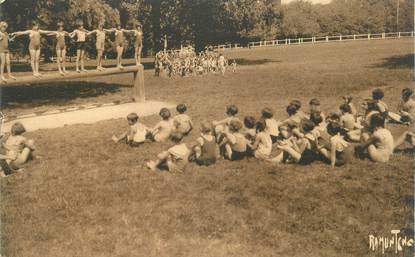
point(60, 35)
point(4, 52)
point(162, 131)
point(80, 33)
point(136, 135)
point(34, 46)
point(100, 44)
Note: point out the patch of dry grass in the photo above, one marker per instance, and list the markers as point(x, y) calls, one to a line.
point(89, 197)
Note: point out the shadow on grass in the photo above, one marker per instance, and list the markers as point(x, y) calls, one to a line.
point(398, 62)
point(243, 61)
point(59, 93)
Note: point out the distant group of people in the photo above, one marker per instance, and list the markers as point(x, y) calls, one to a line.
point(302, 138)
point(186, 62)
point(79, 35)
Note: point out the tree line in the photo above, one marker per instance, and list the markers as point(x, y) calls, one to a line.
point(211, 22)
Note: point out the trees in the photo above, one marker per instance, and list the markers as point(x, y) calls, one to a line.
point(204, 22)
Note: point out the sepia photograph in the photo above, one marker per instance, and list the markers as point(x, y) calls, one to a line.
point(207, 128)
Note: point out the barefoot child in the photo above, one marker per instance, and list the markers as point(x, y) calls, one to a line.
point(34, 46)
point(100, 44)
point(338, 152)
point(80, 33)
point(380, 145)
point(162, 131)
point(138, 44)
point(60, 47)
point(174, 159)
point(136, 135)
point(18, 148)
point(4, 51)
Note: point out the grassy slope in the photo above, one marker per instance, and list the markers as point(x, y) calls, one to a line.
point(88, 197)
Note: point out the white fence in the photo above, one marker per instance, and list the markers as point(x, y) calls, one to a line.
point(317, 40)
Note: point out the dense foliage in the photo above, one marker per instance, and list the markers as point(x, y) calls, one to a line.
point(205, 22)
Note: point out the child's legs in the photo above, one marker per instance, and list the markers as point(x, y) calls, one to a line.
point(23, 157)
point(120, 50)
point(59, 58)
point(3, 62)
point(292, 153)
point(78, 58)
point(354, 135)
point(37, 60)
point(228, 151)
point(33, 60)
point(377, 155)
point(8, 63)
point(82, 53)
point(63, 56)
point(99, 58)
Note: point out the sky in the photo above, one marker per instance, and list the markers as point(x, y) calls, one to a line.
point(313, 1)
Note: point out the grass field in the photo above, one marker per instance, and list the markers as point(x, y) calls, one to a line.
point(89, 197)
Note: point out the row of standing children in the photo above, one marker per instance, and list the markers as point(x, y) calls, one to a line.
point(301, 138)
point(80, 33)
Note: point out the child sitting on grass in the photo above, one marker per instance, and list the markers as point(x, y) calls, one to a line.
point(285, 138)
point(380, 145)
point(235, 143)
point(174, 159)
point(162, 131)
point(294, 120)
point(302, 151)
point(338, 152)
point(348, 100)
point(231, 111)
point(206, 150)
point(136, 135)
point(406, 108)
point(182, 122)
point(263, 143)
point(315, 108)
point(377, 96)
point(348, 122)
point(16, 149)
point(271, 125)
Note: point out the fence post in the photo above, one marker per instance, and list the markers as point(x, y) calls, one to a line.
point(286, 42)
point(313, 40)
point(368, 36)
point(399, 34)
point(354, 37)
point(383, 35)
point(341, 38)
point(327, 38)
point(412, 34)
point(289, 41)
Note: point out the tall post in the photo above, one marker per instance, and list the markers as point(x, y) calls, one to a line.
point(138, 87)
point(397, 15)
point(327, 38)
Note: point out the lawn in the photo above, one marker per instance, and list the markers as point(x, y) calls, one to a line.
point(89, 197)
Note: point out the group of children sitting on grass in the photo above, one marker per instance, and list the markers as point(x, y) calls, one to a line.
point(301, 138)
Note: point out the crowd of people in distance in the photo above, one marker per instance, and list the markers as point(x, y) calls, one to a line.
point(79, 36)
point(302, 138)
point(186, 62)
